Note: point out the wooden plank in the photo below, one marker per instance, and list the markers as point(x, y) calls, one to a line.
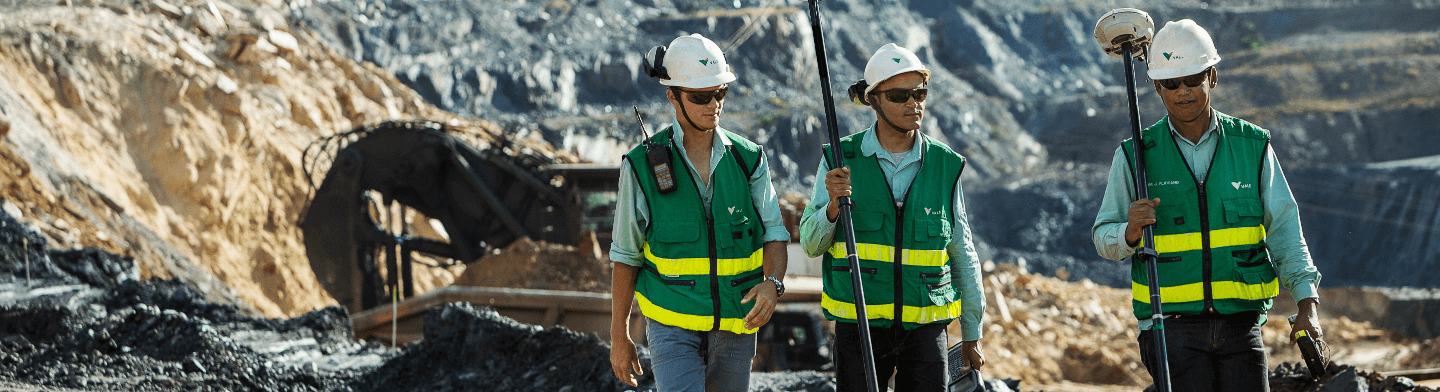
point(1416, 374)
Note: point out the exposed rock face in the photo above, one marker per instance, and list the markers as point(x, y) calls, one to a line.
point(1373, 224)
point(173, 134)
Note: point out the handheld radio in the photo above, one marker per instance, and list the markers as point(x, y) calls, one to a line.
point(1312, 350)
point(659, 158)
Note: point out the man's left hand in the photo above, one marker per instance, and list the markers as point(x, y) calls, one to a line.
point(764, 295)
point(1308, 320)
point(971, 352)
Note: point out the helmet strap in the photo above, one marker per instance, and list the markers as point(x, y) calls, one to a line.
point(686, 113)
point(881, 112)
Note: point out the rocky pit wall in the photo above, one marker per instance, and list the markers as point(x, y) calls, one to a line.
point(172, 133)
point(1020, 88)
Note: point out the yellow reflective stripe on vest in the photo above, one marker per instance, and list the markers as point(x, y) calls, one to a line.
point(1174, 243)
point(688, 321)
point(909, 314)
point(1220, 289)
point(701, 265)
point(886, 254)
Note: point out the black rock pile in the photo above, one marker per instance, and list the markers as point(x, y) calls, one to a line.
point(1295, 377)
point(81, 320)
point(468, 348)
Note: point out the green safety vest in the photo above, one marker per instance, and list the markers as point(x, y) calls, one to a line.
point(915, 275)
point(700, 263)
point(1210, 235)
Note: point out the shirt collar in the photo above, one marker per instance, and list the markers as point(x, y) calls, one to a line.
point(1214, 129)
point(870, 145)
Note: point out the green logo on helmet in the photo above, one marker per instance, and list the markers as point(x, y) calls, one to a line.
point(1167, 55)
point(897, 60)
point(705, 62)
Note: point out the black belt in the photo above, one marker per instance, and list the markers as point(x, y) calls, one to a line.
point(1212, 315)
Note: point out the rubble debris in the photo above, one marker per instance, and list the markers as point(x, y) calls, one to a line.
point(1294, 377)
point(1058, 331)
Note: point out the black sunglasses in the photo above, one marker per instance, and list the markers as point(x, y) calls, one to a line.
point(900, 95)
point(704, 97)
point(1190, 81)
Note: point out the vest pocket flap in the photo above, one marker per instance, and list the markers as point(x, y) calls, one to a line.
point(867, 221)
point(1236, 209)
point(927, 228)
point(677, 232)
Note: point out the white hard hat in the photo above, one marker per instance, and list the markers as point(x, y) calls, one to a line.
point(1181, 48)
point(691, 61)
point(889, 61)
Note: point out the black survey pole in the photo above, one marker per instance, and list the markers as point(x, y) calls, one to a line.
point(1146, 254)
point(843, 223)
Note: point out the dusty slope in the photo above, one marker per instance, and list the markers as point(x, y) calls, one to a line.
point(125, 123)
point(1051, 333)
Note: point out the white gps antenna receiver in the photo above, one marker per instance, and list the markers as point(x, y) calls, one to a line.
point(1122, 25)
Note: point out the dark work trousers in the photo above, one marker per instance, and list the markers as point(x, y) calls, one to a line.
point(1211, 353)
point(916, 357)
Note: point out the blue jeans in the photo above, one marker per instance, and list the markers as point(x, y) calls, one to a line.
point(1211, 353)
point(675, 358)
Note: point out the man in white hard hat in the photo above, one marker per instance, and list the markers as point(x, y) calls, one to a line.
point(698, 237)
point(1226, 226)
point(919, 268)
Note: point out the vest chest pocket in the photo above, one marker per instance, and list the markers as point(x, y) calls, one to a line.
point(1170, 220)
point(938, 287)
point(931, 229)
point(676, 232)
point(1257, 283)
point(1251, 258)
point(866, 220)
point(1238, 209)
point(737, 231)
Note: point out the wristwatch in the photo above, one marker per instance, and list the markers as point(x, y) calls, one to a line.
point(779, 287)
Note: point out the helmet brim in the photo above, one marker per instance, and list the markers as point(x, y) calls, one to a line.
point(708, 81)
point(1171, 73)
point(923, 72)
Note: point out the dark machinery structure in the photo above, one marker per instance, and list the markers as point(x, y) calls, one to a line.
point(378, 179)
point(484, 199)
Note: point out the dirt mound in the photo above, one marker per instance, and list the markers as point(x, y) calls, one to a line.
point(1427, 355)
point(540, 265)
point(1046, 331)
point(173, 134)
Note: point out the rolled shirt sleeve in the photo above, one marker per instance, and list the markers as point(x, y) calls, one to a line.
point(1108, 233)
point(816, 230)
point(965, 271)
point(627, 237)
point(1283, 235)
point(767, 204)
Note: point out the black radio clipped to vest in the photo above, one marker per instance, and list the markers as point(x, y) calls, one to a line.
point(659, 158)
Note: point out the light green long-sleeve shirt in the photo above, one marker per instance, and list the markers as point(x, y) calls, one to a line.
point(631, 214)
point(1283, 236)
point(817, 232)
